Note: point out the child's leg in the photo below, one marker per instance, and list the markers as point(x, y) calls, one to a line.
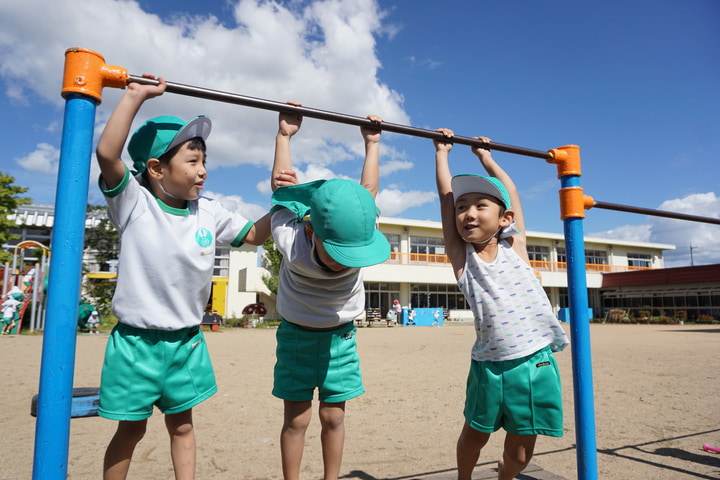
point(182, 444)
point(120, 449)
point(332, 419)
point(292, 437)
point(469, 444)
point(516, 455)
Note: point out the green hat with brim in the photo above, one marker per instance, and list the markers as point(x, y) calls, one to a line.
point(160, 134)
point(470, 183)
point(343, 215)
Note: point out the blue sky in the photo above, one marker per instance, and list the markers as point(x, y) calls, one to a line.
point(634, 83)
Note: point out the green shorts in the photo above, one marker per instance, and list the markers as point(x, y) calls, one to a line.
point(326, 360)
point(142, 368)
point(522, 396)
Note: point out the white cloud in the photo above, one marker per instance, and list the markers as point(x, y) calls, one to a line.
point(236, 204)
point(696, 242)
point(388, 168)
point(393, 201)
point(321, 53)
point(630, 233)
point(43, 160)
point(701, 237)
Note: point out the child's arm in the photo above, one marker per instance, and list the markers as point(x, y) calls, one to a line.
point(518, 241)
point(260, 232)
point(370, 178)
point(289, 124)
point(112, 140)
point(454, 243)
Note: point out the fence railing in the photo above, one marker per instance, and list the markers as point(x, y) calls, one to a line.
point(403, 258)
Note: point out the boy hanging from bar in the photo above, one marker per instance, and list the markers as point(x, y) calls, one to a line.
point(513, 381)
point(320, 294)
point(156, 355)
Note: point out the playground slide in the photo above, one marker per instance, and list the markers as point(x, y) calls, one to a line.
point(18, 323)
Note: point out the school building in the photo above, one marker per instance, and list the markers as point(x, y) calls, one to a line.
point(417, 273)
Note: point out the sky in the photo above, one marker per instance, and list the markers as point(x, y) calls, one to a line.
point(634, 83)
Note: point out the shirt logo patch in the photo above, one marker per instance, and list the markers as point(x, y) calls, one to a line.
point(203, 237)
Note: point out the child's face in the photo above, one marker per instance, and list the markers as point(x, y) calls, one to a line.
point(184, 175)
point(322, 254)
point(326, 259)
point(477, 217)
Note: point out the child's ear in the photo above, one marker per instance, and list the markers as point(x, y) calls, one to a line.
point(154, 168)
point(308, 230)
point(507, 218)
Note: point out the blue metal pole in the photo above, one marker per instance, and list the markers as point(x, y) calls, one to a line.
point(52, 432)
point(580, 336)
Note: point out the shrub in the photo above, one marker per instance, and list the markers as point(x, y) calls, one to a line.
point(705, 318)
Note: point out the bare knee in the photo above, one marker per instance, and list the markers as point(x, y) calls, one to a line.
point(516, 455)
point(179, 424)
point(131, 432)
point(472, 439)
point(332, 415)
point(297, 416)
point(516, 461)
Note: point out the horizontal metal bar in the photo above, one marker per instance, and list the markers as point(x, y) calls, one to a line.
point(237, 99)
point(656, 213)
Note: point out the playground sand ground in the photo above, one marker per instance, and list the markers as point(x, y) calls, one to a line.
point(657, 398)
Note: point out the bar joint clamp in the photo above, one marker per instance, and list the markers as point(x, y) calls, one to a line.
point(86, 73)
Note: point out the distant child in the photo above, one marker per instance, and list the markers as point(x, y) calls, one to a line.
point(92, 323)
point(28, 280)
point(156, 355)
point(513, 381)
point(320, 294)
point(9, 314)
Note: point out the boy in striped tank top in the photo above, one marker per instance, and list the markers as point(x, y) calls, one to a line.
point(513, 381)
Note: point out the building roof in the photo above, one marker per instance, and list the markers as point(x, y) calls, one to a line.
point(663, 276)
point(44, 216)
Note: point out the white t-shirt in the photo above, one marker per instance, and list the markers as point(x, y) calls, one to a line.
point(167, 255)
point(9, 306)
point(308, 294)
point(513, 317)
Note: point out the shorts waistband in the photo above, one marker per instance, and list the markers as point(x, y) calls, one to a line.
point(170, 335)
point(314, 329)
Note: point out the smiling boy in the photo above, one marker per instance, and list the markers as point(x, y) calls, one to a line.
point(156, 354)
point(513, 382)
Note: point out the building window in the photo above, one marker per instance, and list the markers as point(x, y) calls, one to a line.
point(222, 262)
point(563, 298)
point(538, 253)
point(694, 305)
point(639, 260)
point(561, 258)
point(437, 296)
point(380, 295)
point(596, 257)
point(427, 250)
point(394, 241)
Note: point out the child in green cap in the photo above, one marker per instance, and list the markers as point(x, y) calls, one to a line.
point(156, 355)
point(320, 293)
point(513, 381)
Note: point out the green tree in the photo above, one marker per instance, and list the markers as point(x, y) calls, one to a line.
point(9, 203)
point(271, 261)
point(102, 241)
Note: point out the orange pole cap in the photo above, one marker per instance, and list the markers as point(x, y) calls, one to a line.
point(567, 159)
point(588, 202)
point(572, 203)
point(86, 73)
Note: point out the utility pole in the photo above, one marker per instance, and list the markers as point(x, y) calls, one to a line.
point(692, 262)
